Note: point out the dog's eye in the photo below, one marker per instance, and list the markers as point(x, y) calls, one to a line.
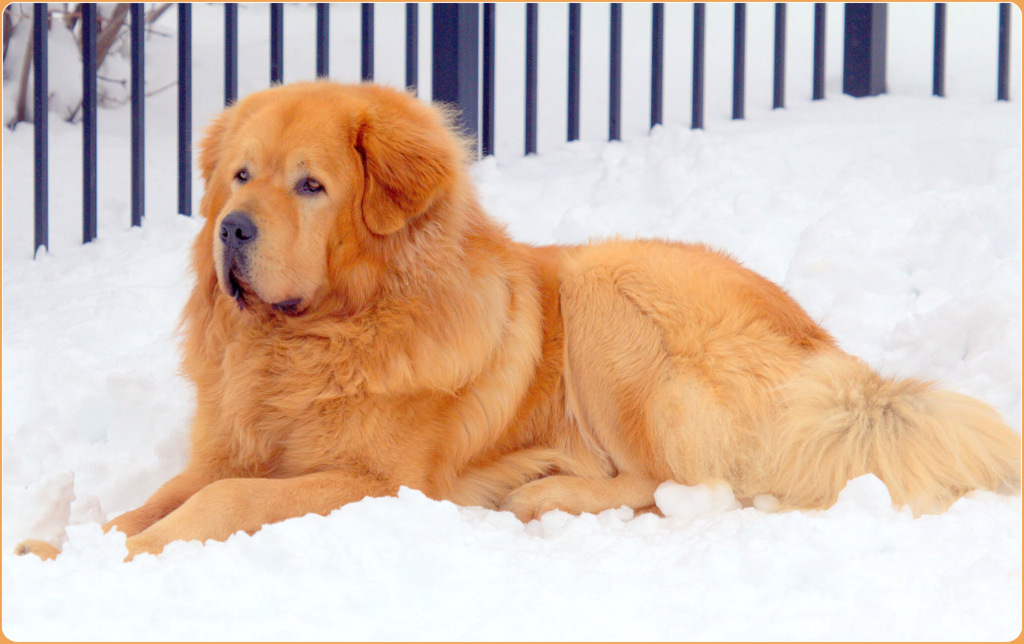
point(242, 176)
point(309, 186)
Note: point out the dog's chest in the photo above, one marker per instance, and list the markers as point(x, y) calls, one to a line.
point(287, 410)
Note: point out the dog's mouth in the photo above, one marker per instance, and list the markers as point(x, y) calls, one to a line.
point(239, 288)
point(288, 307)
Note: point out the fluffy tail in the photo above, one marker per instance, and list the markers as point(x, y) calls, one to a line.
point(929, 446)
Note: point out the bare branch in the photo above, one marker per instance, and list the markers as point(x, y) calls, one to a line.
point(8, 29)
point(157, 11)
point(26, 62)
point(72, 14)
point(108, 35)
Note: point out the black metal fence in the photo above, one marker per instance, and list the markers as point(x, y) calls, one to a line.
point(458, 50)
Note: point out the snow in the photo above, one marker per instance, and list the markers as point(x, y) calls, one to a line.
point(896, 221)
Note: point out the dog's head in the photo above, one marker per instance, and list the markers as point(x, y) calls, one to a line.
point(309, 185)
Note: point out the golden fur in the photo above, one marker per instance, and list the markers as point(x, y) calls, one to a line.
point(381, 330)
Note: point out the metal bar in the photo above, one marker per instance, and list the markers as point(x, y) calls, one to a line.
point(487, 109)
point(818, 84)
point(89, 29)
point(939, 59)
point(779, 77)
point(697, 116)
point(276, 43)
point(323, 39)
point(412, 47)
point(367, 41)
point(574, 73)
point(615, 73)
point(739, 58)
point(657, 61)
point(185, 109)
point(530, 134)
point(230, 53)
point(455, 63)
point(1003, 90)
point(138, 82)
point(40, 116)
point(864, 49)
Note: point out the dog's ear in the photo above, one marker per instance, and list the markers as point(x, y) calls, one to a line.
point(210, 147)
point(410, 158)
point(209, 155)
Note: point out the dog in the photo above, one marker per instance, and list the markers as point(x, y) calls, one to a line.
point(359, 323)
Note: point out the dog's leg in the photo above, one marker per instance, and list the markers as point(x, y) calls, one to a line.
point(239, 504)
point(615, 364)
point(576, 495)
point(164, 501)
point(170, 495)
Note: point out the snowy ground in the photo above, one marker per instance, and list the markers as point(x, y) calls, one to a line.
point(896, 221)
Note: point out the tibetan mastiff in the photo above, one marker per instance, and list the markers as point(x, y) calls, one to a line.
point(359, 323)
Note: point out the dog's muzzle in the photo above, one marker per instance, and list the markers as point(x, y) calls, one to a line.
point(237, 232)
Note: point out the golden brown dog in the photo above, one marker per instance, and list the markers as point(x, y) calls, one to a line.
point(358, 323)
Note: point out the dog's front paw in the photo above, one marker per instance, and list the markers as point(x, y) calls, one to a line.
point(41, 549)
point(144, 544)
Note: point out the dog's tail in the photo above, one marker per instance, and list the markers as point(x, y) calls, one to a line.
point(488, 484)
point(929, 446)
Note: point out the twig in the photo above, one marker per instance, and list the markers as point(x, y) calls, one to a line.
point(160, 89)
point(120, 81)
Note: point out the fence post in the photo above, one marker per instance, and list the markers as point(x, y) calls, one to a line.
point(276, 43)
point(41, 117)
point(818, 73)
point(939, 55)
point(697, 113)
point(657, 61)
point(1003, 89)
point(530, 127)
point(487, 93)
point(573, 124)
point(779, 77)
point(366, 40)
point(138, 81)
point(185, 109)
point(739, 58)
point(456, 46)
point(864, 49)
point(89, 29)
point(615, 72)
point(230, 53)
point(323, 38)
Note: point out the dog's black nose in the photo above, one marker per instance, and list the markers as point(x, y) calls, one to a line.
point(237, 230)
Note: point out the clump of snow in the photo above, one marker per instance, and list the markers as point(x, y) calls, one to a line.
point(684, 503)
point(895, 220)
point(865, 494)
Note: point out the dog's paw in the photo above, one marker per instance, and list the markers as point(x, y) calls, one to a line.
point(144, 544)
point(533, 500)
point(41, 549)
